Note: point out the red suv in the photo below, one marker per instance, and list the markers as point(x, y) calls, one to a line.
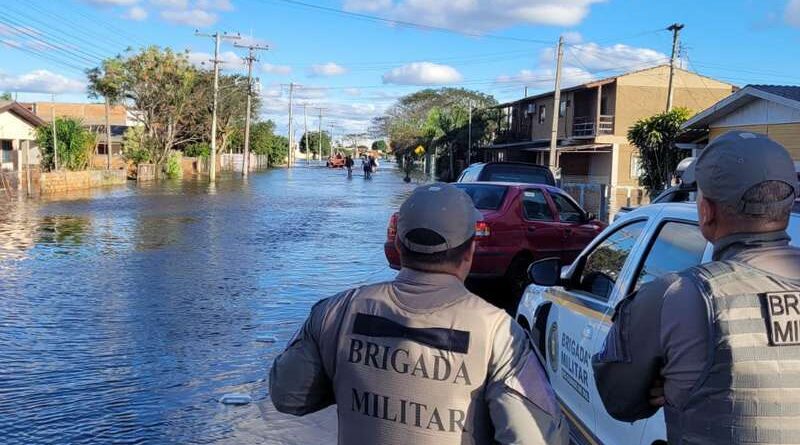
point(521, 223)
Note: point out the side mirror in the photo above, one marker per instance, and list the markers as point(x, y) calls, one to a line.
point(546, 272)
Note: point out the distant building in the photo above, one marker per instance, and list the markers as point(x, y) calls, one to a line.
point(93, 116)
point(18, 136)
point(773, 110)
point(594, 119)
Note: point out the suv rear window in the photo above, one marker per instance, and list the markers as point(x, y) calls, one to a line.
point(528, 174)
point(485, 197)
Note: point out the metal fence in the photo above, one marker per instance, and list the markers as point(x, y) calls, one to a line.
point(592, 197)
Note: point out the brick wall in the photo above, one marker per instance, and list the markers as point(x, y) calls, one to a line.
point(63, 181)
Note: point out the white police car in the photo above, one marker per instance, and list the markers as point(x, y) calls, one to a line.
point(570, 319)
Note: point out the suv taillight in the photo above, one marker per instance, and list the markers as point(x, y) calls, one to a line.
point(391, 232)
point(482, 229)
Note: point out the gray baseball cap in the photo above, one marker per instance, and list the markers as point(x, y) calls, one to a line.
point(442, 209)
point(737, 161)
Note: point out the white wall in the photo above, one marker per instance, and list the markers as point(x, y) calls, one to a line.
point(759, 112)
point(12, 127)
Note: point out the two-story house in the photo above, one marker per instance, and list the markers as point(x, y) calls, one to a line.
point(593, 152)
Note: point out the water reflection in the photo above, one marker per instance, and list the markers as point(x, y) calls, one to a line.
point(128, 312)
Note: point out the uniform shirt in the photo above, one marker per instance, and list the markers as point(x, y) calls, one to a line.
point(521, 404)
point(662, 331)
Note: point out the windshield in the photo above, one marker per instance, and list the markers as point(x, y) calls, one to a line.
point(527, 174)
point(485, 197)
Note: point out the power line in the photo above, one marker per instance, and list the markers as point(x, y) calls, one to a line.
point(56, 47)
point(408, 24)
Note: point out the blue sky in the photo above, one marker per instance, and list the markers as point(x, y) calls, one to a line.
point(354, 67)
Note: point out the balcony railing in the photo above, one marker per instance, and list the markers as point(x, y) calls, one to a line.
point(585, 126)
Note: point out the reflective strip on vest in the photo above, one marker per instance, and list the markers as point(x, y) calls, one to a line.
point(413, 377)
point(750, 393)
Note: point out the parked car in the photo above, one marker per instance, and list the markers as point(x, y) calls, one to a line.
point(521, 223)
point(676, 193)
point(520, 172)
point(568, 310)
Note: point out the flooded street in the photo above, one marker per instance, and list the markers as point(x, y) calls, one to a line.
point(126, 314)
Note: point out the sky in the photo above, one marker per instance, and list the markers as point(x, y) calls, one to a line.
point(354, 58)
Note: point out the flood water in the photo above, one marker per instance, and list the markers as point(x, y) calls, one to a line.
point(126, 313)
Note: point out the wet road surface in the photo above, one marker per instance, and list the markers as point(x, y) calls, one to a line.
point(126, 313)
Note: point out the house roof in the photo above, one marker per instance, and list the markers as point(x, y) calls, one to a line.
point(788, 91)
point(22, 112)
point(783, 94)
point(596, 83)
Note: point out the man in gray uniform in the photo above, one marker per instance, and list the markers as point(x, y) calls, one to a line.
point(722, 338)
point(421, 360)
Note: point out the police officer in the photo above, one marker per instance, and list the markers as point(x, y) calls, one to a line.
point(718, 345)
point(420, 360)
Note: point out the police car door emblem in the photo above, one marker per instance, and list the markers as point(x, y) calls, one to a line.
point(552, 347)
point(783, 315)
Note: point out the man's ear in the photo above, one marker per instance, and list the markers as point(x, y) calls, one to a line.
point(707, 212)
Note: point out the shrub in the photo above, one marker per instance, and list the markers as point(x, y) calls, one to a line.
point(173, 169)
point(198, 150)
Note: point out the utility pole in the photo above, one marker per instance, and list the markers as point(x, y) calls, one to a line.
point(319, 145)
point(291, 132)
point(55, 138)
point(212, 171)
point(251, 57)
point(676, 32)
point(108, 134)
point(305, 131)
point(469, 136)
point(556, 105)
point(330, 150)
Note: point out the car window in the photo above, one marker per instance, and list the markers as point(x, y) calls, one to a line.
point(469, 175)
point(485, 197)
point(535, 206)
point(604, 264)
point(516, 173)
point(677, 246)
point(567, 210)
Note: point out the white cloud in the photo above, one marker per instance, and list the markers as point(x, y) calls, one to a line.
point(197, 18)
point(422, 73)
point(280, 70)
point(220, 5)
point(572, 37)
point(594, 57)
point(136, 13)
point(230, 60)
point(352, 91)
point(171, 4)
point(544, 79)
point(792, 13)
point(327, 69)
point(41, 81)
point(25, 31)
point(479, 15)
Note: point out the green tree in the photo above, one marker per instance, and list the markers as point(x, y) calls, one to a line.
point(75, 144)
point(133, 145)
point(312, 138)
point(655, 136)
point(106, 81)
point(6, 96)
point(380, 145)
point(231, 109)
point(158, 84)
point(438, 119)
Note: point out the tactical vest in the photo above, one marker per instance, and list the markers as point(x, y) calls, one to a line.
point(404, 375)
point(750, 391)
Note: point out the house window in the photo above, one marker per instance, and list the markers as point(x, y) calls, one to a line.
point(6, 146)
point(636, 167)
point(542, 113)
point(562, 109)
